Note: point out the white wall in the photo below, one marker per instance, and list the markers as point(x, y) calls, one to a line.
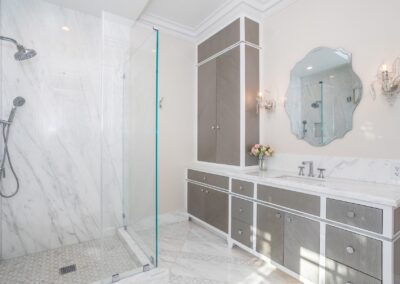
point(367, 29)
point(177, 124)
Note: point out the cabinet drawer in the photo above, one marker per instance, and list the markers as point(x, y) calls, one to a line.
point(337, 273)
point(242, 232)
point(242, 210)
point(290, 199)
point(211, 179)
point(243, 187)
point(354, 250)
point(360, 216)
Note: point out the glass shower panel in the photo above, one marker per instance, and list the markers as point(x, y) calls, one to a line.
point(140, 137)
point(129, 162)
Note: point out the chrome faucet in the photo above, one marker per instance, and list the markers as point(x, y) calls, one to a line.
point(311, 167)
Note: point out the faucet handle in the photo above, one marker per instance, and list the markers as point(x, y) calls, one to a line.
point(301, 170)
point(321, 172)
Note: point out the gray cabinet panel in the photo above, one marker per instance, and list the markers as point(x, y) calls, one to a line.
point(242, 232)
point(270, 233)
point(290, 199)
point(218, 42)
point(397, 262)
point(337, 273)
point(242, 210)
point(207, 112)
point(396, 219)
point(196, 201)
point(302, 246)
point(217, 209)
point(252, 77)
point(228, 107)
point(360, 216)
point(211, 179)
point(245, 188)
point(354, 250)
point(251, 30)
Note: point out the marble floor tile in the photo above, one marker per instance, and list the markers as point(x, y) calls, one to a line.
point(192, 254)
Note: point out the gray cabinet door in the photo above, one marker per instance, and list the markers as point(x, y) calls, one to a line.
point(216, 208)
point(196, 200)
point(207, 112)
point(228, 107)
point(270, 226)
point(301, 251)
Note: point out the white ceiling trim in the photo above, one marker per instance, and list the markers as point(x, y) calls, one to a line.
point(222, 16)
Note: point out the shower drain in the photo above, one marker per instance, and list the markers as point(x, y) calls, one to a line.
point(67, 269)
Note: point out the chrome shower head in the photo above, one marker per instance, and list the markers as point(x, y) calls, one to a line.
point(18, 101)
point(22, 53)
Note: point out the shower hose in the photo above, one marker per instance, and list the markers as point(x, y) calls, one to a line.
point(6, 155)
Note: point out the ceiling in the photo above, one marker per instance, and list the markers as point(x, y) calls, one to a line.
point(131, 9)
point(189, 13)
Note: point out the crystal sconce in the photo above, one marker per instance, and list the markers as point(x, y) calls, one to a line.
point(264, 102)
point(388, 81)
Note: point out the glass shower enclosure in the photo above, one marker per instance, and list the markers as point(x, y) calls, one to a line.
point(78, 114)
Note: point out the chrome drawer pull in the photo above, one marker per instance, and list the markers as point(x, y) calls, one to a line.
point(350, 250)
point(204, 178)
point(351, 214)
point(278, 215)
point(240, 232)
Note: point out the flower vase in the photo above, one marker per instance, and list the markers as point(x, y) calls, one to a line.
point(262, 163)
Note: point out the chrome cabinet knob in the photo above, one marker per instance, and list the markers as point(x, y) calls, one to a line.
point(241, 187)
point(348, 282)
point(206, 191)
point(240, 210)
point(278, 215)
point(213, 127)
point(289, 219)
point(218, 127)
point(202, 190)
point(350, 250)
point(240, 232)
point(351, 214)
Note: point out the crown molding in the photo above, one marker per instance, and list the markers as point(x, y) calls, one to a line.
point(226, 13)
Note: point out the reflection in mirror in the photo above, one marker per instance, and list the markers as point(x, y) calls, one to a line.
point(322, 96)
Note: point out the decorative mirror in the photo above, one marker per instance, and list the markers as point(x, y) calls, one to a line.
point(322, 96)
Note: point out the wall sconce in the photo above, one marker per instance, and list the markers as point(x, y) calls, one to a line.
point(263, 102)
point(389, 81)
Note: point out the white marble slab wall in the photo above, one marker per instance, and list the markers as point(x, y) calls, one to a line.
point(55, 141)
point(362, 169)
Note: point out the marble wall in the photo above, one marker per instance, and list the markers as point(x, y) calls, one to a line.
point(56, 142)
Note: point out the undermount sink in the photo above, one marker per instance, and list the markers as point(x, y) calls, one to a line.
point(302, 179)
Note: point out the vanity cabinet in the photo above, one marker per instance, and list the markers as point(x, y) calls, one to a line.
point(224, 82)
point(209, 205)
point(324, 239)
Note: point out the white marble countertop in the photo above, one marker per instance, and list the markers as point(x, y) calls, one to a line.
point(376, 193)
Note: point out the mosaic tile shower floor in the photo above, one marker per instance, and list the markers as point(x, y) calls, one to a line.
point(44, 267)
